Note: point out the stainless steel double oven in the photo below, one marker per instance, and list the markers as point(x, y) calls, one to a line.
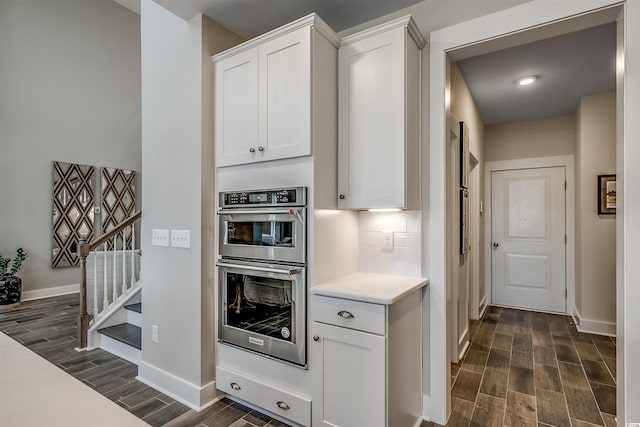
point(262, 272)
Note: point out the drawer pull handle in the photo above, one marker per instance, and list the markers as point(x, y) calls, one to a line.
point(283, 405)
point(235, 386)
point(345, 314)
point(316, 338)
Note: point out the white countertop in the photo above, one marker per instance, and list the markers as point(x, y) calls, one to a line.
point(370, 287)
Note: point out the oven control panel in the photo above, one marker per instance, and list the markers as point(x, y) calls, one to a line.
point(276, 197)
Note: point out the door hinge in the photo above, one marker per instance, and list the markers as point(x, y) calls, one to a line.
point(565, 293)
point(565, 239)
point(565, 185)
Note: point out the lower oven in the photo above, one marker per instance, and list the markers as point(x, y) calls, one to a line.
point(262, 308)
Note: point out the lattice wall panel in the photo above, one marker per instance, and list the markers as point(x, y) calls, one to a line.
point(118, 202)
point(73, 197)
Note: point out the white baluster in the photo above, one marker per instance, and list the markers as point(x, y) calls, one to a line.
point(95, 283)
point(115, 287)
point(124, 263)
point(133, 254)
point(105, 290)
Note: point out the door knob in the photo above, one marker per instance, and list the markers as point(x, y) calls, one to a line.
point(496, 244)
point(316, 338)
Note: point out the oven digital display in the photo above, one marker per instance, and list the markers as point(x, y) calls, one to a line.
point(286, 196)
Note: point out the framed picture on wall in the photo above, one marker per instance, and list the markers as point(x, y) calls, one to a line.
point(464, 221)
point(607, 194)
point(464, 155)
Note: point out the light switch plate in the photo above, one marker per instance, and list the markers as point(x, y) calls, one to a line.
point(159, 237)
point(181, 238)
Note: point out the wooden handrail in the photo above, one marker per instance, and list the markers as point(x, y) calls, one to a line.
point(85, 248)
point(84, 318)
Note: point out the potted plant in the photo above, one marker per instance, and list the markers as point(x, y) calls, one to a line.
point(10, 284)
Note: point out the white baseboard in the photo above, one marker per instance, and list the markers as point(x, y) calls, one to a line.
point(596, 327)
point(483, 307)
point(50, 292)
point(195, 397)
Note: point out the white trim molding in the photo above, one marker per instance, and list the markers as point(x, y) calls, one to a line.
point(537, 162)
point(50, 292)
point(195, 397)
point(590, 326)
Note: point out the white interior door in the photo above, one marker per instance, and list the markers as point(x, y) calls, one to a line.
point(528, 260)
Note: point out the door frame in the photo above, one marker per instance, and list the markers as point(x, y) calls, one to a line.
point(570, 249)
point(511, 26)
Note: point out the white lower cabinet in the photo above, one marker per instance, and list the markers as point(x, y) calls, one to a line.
point(364, 375)
point(352, 390)
point(267, 396)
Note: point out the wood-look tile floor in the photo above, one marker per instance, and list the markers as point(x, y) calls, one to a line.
point(533, 369)
point(522, 368)
point(48, 327)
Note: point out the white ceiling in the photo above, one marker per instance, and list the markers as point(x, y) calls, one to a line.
point(567, 66)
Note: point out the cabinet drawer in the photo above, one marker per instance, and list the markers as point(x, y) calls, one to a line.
point(264, 395)
point(362, 316)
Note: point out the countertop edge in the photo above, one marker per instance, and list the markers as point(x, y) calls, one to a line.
point(319, 290)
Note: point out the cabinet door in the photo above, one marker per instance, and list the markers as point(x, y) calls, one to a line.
point(237, 109)
point(285, 96)
point(348, 378)
point(371, 116)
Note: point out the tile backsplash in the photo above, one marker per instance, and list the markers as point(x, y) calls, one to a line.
point(405, 256)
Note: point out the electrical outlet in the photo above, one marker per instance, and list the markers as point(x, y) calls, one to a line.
point(159, 237)
point(387, 239)
point(154, 333)
point(181, 238)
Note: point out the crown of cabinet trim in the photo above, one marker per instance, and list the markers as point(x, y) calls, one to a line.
point(311, 20)
point(405, 21)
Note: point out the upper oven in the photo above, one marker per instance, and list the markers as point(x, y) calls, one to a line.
point(266, 225)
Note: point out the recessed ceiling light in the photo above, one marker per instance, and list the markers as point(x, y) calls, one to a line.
point(527, 80)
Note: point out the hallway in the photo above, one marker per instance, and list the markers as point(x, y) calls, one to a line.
point(533, 369)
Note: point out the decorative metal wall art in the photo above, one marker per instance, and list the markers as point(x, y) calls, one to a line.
point(73, 215)
point(118, 201)
point(77, 197)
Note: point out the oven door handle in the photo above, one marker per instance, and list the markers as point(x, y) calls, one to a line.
point(290, 271)
point(230, 212)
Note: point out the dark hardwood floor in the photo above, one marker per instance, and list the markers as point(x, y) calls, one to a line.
point(522, 368)
point(48, 327)
point(533, 369)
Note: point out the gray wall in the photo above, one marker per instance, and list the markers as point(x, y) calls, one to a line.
point(546, 137)
point(69, 91)
point(595, 236)
point(177, 139)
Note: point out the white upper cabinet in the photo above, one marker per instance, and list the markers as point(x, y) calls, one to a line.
point(379, 117)
point(264, 94)
point(237, 107)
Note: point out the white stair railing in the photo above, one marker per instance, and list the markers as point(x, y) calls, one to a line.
point(120, 269)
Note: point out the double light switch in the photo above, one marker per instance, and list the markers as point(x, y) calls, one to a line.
point(178, 239)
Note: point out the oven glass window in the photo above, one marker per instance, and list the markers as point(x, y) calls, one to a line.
point(260, 233)
point(260, 305)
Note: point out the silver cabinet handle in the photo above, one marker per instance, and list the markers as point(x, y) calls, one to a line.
point(282, 405)
point(316, 338)
point(235, 386)
point(252, 150)
point(345, 314)
point(261, 149)
point(496, 244)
